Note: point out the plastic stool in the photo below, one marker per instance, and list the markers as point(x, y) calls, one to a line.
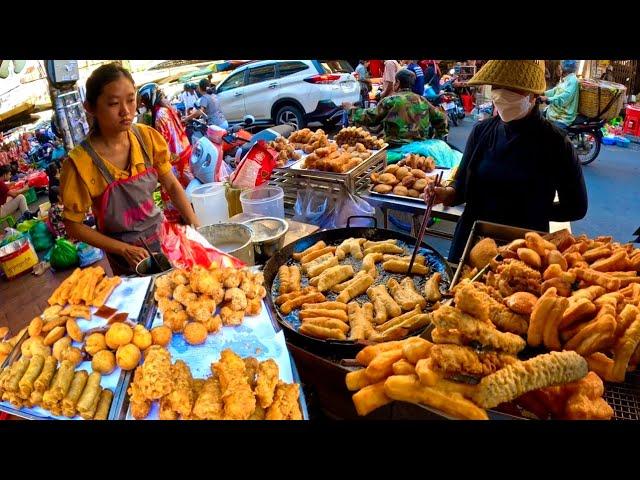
point(11, 222)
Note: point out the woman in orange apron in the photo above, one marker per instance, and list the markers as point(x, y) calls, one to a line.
point(115, 171)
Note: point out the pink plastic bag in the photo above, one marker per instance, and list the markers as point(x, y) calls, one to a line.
point(185, 248)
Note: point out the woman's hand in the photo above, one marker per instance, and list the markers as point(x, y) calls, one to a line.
point(133, 254)
point(445, 195)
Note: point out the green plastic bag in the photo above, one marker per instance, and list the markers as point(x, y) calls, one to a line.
point(27, 225)
point(64, 255)
point(41, 237)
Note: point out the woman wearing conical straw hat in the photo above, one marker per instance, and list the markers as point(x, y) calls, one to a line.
point(515, 162)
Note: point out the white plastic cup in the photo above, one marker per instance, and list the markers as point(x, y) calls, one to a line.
point(267, 201)
point(210, 204)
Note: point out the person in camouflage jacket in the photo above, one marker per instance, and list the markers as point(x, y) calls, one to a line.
point(405, 116)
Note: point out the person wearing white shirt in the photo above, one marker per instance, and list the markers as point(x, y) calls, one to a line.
point(189, 97)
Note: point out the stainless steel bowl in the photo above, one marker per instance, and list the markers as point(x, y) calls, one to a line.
point(232, 238)
point(146, 267)
point(268, 236)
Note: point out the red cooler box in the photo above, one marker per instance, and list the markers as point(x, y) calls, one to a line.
point(632, 120)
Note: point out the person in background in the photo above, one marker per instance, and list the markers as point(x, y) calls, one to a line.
point(210, 89)
point(12, 201)
point(607, 75)
point(189, 98)
point(365, 82)
point(165, 120)
point(405, 116)
point(59, 152)
point(54, 176)
point(515, 162)
point(563, 98)
point(432, 74)
point(209, 107)
point(418, 87)
point(391, 67)
point(56, 214)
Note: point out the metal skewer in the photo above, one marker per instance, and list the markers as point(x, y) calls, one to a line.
point(427, 216)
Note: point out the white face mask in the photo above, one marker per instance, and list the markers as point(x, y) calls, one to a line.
point(511, 105)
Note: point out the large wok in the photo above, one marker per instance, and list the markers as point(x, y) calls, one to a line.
point(335, 348)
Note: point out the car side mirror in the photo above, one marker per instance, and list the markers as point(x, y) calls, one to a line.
point(248, 120)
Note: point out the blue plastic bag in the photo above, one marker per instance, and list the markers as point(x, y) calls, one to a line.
point(88, 254)
point(443, 154)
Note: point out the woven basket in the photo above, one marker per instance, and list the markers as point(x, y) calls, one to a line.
point(601, 99)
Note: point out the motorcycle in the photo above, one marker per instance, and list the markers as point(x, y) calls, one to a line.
point(586, 135)
point(448, 102)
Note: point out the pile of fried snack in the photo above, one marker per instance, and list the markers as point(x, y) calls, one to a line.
point(327, 307)
point(354, 135)
point(309, 141)
point(239, 389)
point(286, 151)
point(426, 164)
point(575, 294)
point(401, 180)
point(333, 158)
point(188, 300)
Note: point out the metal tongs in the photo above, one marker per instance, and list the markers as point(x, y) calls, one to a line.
point(429, 198)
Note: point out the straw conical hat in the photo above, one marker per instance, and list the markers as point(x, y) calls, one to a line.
point(527, 75)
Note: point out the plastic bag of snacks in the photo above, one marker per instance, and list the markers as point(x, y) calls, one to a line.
point(64, 255)
point(256, 166)
point(185, 248)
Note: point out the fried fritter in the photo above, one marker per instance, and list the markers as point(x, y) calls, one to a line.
point(455, 359)
point(268, 375)
point(208, 405)
point(156, 373)
point(237, 396)
point(285, 404)
point(181, 397)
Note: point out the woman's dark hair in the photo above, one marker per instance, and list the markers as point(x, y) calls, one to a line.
point(54, 194)
point(4, 169)
point(101, 77)
point(52, 170)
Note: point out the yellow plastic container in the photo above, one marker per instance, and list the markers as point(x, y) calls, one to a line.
point(17, 257)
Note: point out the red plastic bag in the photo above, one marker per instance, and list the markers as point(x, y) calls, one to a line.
point(185, 248)
point(38, 179)
point(256, 166)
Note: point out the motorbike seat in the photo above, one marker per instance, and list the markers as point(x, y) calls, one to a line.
point(582, 122)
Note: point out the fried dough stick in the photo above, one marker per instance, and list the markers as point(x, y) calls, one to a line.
point(555, 368)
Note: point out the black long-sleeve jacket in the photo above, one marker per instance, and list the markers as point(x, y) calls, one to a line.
point(510, 173)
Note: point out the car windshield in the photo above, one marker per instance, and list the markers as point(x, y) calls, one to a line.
point(336, 66)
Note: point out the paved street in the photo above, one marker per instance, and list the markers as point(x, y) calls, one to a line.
point(613, 186)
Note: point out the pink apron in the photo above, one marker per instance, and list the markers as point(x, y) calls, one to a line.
point(126, 210)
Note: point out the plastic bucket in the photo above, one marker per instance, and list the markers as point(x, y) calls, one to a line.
point(267, 201)
point(210, 203)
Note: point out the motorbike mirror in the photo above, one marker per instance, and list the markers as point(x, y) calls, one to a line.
point(248, 120)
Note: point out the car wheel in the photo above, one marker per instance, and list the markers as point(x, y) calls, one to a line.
point(291, 115)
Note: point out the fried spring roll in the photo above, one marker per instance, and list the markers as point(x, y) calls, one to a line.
point(18, 369)
point(88, 401)
point(48, 370)
point(75, 391)
point(104, 404)
point(35, 398)
point(63, 382)
point(26, 382)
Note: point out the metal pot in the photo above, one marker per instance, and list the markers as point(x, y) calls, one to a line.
point(232, 238)
point(147, 267)
point(268, 236)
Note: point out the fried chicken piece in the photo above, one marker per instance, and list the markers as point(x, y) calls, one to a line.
point(179, 277)
point(156, 380)
point(236, 299)
point(166, 305)
point(405, 294)
point(254, 306)
point(251, 365)
point(184, 294)
point(208, 405)
point(180, 399)
point(454, 360)
point(285, 404)
point(166, 412)
point(448, 317)
point(482, 306)
point(258, 413)
point(202, 309)
point(176, 319)
point(163, 290)
point(508, 383)
point(230, 316)
point(231, 277)
point(452, 336)
point(268, 375)
point(237, 395)
point(140, 405)
point(213, 324)
point(204, 281)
